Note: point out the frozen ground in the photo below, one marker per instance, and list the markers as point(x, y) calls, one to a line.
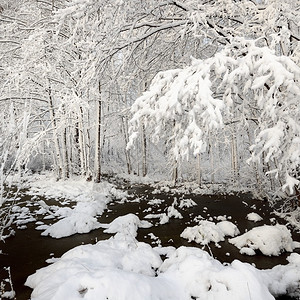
point(124, 268)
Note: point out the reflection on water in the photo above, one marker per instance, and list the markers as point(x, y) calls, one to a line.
point(28, 251)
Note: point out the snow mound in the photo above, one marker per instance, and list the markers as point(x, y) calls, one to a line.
point(270, 240)
point(206, 278)
point(254, 217)
point(207, 232)
point(111, 269)
point(119, 269)
point(126, 225)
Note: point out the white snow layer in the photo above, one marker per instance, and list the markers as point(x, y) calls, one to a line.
point(270, 240)
point(122, 268)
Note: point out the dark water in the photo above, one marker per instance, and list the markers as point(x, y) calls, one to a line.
point(27, 250)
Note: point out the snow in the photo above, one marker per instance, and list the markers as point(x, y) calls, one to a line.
point(254, 217)
point(270, 240)
point(90, 199)
point(80, 219)
point(186, 203)
point(207, 232)
point(247, 251)
point(8, 295)
point(123, 268)
point(126, 225)
point(288, 276)
point(171, 212)
point(75, 188)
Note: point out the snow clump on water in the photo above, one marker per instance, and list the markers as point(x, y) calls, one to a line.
point(207, 232)
point(270, 240)
point(254, 217)
point(126, 225)
point(123, 268)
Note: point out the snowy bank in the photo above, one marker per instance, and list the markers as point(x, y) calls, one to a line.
point(90, 199)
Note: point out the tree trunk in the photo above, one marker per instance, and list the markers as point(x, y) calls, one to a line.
point(97, 166)
point(81, 140)
point(234, 159)
point(65, 151)
point(59, 162)
point(144, 151)
point(211, 159)
point(175, 172)
point(126, 138)
point(199, 175)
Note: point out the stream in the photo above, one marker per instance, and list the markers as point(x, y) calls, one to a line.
point(27, 250)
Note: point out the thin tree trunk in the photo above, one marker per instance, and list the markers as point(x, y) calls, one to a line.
point(65, 154)
point(234, 160)
point(126, 138)
point(175, 172)
point(65, 150)
point(60, 173)
point(81, 143)
point(88, 154)
point(211, 159)
point(144, 151)
point(97, 167)
point(199, 174)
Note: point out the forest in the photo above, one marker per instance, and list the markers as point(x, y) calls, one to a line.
point(179, 95)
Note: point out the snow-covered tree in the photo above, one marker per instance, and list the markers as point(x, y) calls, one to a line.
point(201, 99)
point(78, 65)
